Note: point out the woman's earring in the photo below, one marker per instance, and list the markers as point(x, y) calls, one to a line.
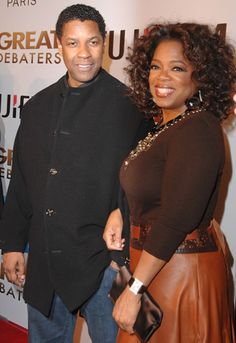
point(195, 101)
point(200, 95)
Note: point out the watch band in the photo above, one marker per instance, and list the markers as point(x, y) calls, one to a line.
point(136, 286)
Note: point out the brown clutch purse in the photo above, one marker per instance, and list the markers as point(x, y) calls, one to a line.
point(150, 314)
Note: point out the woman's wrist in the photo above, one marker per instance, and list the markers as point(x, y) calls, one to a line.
point(136, 286)
point(132, 295)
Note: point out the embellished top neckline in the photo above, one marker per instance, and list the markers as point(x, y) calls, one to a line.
point(146, 143)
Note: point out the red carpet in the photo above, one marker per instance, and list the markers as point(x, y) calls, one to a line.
point(12, 333)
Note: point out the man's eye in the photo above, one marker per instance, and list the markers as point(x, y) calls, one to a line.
point(93, 42)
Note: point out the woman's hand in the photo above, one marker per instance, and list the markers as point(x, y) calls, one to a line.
point(126, 310)
point(113, 231)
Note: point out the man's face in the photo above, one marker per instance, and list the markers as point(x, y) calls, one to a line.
point(82, 48)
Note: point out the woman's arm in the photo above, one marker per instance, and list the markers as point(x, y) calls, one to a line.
point(128, 304)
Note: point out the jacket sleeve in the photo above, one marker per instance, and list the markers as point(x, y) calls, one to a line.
point(121, 256)
point(1, 199)
point(17, 210)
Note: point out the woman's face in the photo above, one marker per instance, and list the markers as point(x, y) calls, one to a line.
point(170, 78)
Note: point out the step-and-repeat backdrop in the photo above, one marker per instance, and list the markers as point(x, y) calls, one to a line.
point(29, 61)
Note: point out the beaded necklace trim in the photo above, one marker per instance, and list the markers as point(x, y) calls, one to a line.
point(147, 142)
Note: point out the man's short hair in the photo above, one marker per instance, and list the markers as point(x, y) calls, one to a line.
point(80, 12)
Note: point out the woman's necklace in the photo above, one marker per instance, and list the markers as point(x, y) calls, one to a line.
point(147, 142)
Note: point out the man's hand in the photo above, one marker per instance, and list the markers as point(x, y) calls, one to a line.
point(14, 267)
point(113, 230)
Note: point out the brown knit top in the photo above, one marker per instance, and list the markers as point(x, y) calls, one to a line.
point(172, 180)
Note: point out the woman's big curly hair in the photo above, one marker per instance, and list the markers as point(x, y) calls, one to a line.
point(212, 58)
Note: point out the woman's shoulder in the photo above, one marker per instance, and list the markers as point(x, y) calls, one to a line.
point(201, 128)
point(200, 123)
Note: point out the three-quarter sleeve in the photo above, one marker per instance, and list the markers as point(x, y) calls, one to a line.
point(193, 160)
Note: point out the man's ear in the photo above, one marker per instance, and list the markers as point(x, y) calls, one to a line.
point(104, 46)
point(59, 46)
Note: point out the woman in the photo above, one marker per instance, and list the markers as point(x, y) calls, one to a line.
point(184, 75)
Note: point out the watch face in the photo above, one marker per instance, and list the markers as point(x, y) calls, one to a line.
point(136, 286)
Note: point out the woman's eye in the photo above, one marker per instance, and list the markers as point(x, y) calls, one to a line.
point(178, 68)
point(154, 67)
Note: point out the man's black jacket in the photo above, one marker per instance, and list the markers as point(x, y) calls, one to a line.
point(67, 154)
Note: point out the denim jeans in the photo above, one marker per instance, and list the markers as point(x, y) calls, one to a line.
point(59, 326)
point(97, 312)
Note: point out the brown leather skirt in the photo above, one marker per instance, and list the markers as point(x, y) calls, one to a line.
point(193, 292)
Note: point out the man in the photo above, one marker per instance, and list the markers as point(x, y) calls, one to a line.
point(68, 149)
